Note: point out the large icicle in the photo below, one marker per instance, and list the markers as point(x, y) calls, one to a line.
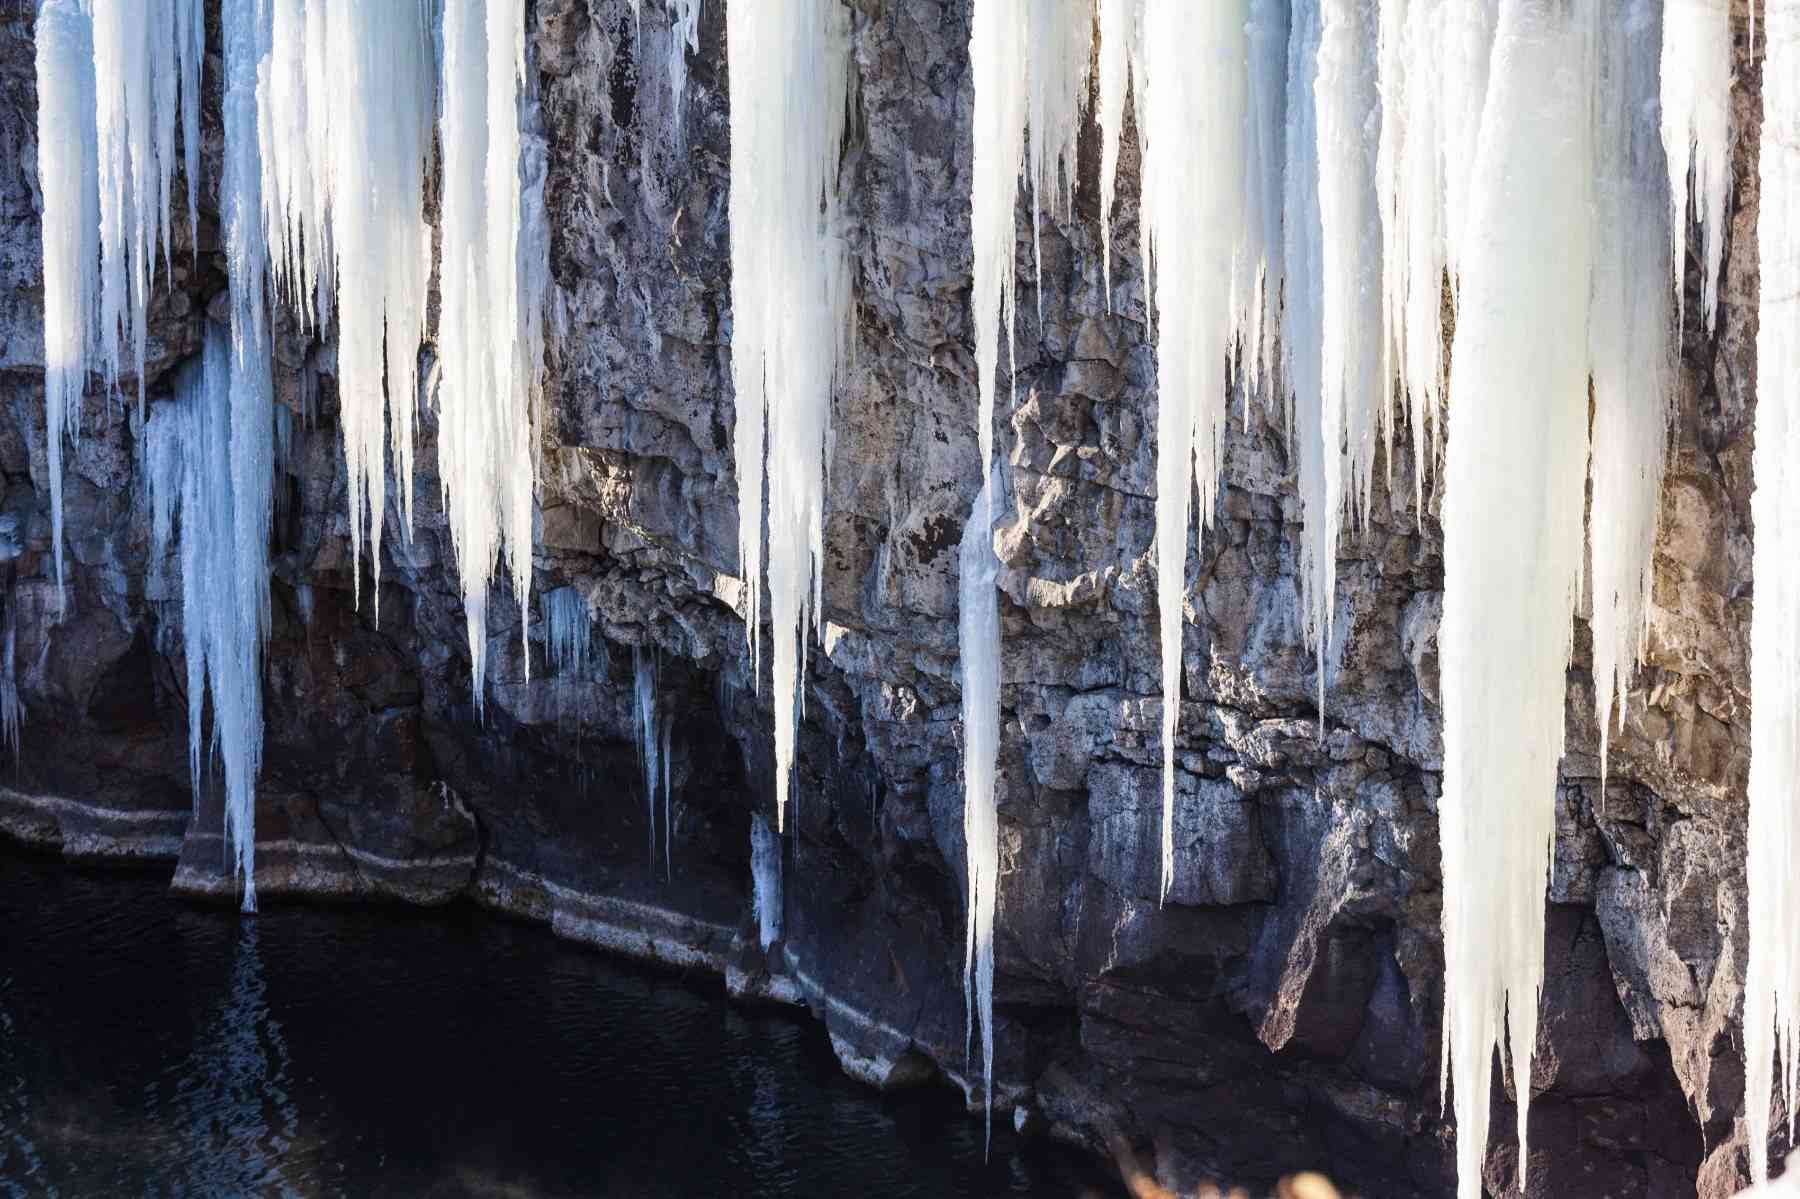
point(790, 301)
point(1696, 134)
point(490, 323)
point(1193, 96)
point(1772, 840)
point(1516, 467)
point(978, 629)
point(1632, 348)
point(68, 175)
point(377, 74)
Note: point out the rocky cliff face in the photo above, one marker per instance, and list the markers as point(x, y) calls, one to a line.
point(1280, 1010)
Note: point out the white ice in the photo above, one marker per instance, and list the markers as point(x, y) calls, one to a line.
point(1515, 471)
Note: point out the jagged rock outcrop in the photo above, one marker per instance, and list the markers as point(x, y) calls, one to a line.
point(1280, 1010)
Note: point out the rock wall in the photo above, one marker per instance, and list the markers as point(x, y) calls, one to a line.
point(1280, 1010)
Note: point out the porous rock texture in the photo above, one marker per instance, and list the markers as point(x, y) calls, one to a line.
point(1280, 1010)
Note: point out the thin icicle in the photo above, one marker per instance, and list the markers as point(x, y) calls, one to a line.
point(1192, 116)
point(684, 38)
point(1316, 428)
point(1515, 474)
point(568, 632)
point(765, 875)
point(1410, 179)
point(1696, 135)
point(1772, 840)
point(293, 122)
point(1119, 49)
point(653, 739)
point(1354, 388)
point(978, 629)
point(1632, 350)
point(12, 709)
point(790, 293)
point(1257, 278)
point(68, 174)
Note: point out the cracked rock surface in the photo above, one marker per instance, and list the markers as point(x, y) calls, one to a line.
point(1279, 1011)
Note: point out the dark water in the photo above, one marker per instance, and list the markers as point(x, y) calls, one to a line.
point(148, 1047)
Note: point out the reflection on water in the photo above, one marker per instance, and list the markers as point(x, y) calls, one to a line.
point(152, 1048)
point(230, 1094)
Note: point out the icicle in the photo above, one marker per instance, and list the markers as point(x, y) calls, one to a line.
point(652, 740)
point(377, 77)
point(568, 632)
point(978, 628)
point(68, 173)
point(997, 53)
point(1353, 386)
point(1469, 27)
point(765, 874)
point(293, 124)
point(1316, 428)
point(1192, 116)
point(495, 251)
point(1119, 49)
point(1772, 840)
point(1633, 351)
point(1516, 468)
point(1059, 48)
point(1696, 134)
point(790, 299)
point(12, 709)
point(684, 37)
point(191, 467)
point(1257, 277)
point(1410, 180)
point(146, 56)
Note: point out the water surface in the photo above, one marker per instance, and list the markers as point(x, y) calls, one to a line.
point(152, 1047)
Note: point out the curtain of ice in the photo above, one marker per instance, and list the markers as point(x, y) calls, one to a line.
point(490, 322)
point(146, 60)
point(191, 470)
point(1516, 467)
point(377, 76)
point(1631, 335)
point(1772, 977)
point(1696, 134)
point(790, 301)
point(294, 126)
point(114, 77)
